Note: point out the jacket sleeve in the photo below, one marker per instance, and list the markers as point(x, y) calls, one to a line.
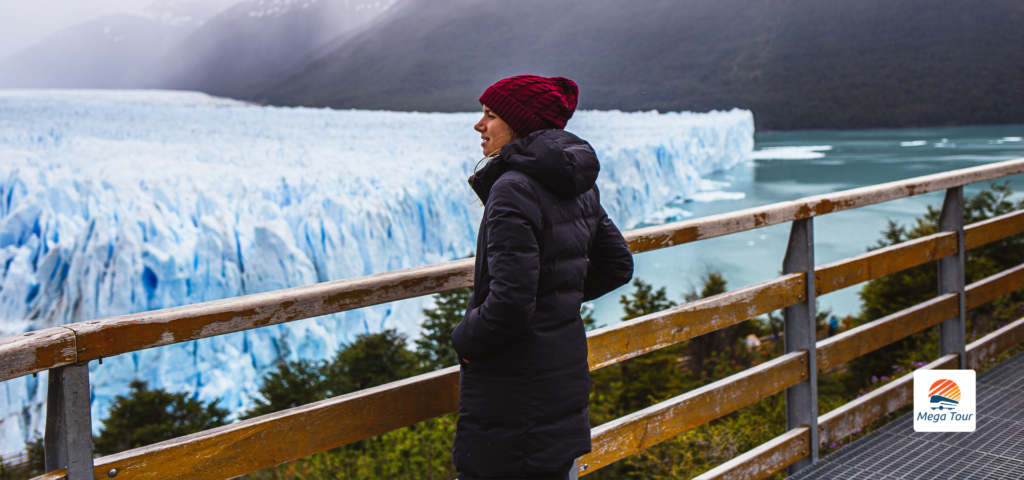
point(513, 261)
point(610, 263)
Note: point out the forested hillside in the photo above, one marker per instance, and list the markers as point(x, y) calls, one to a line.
point(797, 64)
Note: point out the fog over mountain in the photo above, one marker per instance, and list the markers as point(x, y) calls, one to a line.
point(236, 52)
point(113, 51)
point(245, 48)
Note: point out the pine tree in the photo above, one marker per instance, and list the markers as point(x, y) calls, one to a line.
point(434, 347)
point(369, 361)
point(146, 416)
point(289, 385)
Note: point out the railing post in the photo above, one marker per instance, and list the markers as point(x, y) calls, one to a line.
point(952, 332)
point(68, 440)
point(801, 334)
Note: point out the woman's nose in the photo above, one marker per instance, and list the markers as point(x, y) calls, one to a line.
point(479, 127)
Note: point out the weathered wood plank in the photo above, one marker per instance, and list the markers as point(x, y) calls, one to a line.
point(129, 333)
point(633, 433)
point(869, 337)
point(258, 443)
point(991, 288)
point(993, 229)
point(624, 340)
point(877, 263)
point(36, 351)
point(661, 236)
point(60, 474)
point(855, 415)
point(766, 459)
point(988, 347)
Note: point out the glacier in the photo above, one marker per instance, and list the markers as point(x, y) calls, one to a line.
point(115, 202)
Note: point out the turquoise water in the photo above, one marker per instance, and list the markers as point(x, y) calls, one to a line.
point(829, 161)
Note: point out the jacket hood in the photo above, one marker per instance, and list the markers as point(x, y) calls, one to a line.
point(564, 163)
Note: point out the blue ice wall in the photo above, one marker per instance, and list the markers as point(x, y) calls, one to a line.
point(115, 202)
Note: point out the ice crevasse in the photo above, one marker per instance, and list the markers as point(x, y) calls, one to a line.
point(116, 202)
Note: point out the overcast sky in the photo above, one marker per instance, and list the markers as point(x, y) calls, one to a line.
point(24, 22)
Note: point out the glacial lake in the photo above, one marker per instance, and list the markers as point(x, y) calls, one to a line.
point(793, 165)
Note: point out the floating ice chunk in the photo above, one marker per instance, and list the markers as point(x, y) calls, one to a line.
point(716, 196)
point(791, 153)
point(915, 143)
point(1013, 139)
point(667, 215)
point(709, 185)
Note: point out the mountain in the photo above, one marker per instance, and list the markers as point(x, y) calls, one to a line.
point(252, 44)
point(797, 64)
point(113, 51)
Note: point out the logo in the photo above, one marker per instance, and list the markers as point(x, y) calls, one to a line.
point(944, 401)
point(944, 395)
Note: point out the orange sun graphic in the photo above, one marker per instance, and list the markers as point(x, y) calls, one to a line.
point(945, 388)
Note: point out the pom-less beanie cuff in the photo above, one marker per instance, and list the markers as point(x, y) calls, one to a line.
point(522, 120)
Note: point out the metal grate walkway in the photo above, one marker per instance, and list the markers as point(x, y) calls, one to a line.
point(995, 450)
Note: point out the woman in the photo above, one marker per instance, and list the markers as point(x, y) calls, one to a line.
point(544, 246)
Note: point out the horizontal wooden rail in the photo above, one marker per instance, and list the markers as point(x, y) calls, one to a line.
point(640, 430)
point(128, 333)
point(252, 445)
point(661, 236)
point(993, 229)
point(618, 342)
point(877, 263)
point(59, 474)
point(36, 351)
point(869, 337)
point(988, 347)
point(991, 288)
point(765, 460)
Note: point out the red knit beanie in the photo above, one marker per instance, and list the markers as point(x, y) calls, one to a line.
point(528, 103)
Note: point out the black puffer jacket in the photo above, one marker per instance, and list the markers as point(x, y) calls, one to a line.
point(545, 245)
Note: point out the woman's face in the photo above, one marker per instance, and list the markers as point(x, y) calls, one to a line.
point(494, 132)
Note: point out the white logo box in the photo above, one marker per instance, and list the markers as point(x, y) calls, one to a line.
point(953, 408)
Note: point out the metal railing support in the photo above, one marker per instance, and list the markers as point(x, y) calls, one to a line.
point(952, 332)
point(68, 440)
point(800, 328)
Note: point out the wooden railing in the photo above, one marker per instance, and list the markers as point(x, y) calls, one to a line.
point(254, 444)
